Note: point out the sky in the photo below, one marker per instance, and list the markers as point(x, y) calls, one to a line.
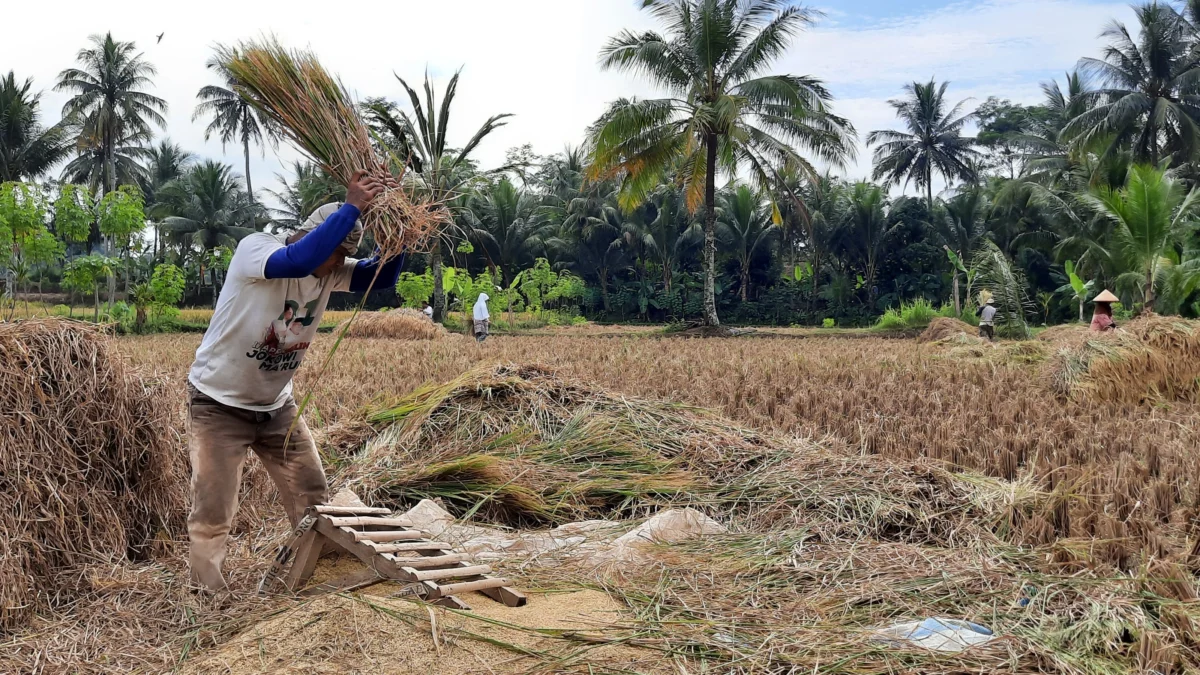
point(537, 59)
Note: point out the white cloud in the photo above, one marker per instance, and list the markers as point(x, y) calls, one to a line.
point(538, 58)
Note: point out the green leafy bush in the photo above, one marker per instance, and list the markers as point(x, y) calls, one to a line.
point(828, 322)
point(891, 320)
point(918, 314)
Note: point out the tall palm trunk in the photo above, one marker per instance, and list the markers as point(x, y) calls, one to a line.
point(1149, 304)
point(602, 274)
point(246, 152)
point(957, 304)
point(710, 233)
point(110, 163)
point(439, 292)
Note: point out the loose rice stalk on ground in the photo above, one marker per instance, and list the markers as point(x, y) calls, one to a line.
point(318, 115)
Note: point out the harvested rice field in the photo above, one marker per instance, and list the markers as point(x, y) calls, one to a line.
point(1044, 489)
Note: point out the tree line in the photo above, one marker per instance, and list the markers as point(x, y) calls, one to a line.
point(709, 202)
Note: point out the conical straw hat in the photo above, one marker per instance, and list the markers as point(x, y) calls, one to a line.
point(1106, 296)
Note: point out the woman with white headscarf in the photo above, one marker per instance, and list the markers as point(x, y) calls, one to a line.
point(481, 317)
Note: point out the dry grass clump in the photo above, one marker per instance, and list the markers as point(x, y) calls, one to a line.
point(90, 464)
point(315, 112)
point(944, 327)
point(397, 324)
point(1153, 358)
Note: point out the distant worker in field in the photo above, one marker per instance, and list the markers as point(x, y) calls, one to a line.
point(427, 310)
point(1102, 319)
point(240, 386)
point(482, 317)
point(987, 320)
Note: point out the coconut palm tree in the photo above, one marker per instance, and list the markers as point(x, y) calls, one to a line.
point(309, 188)
point(721, 111)
point(1152, 216)
point(504, 222)
point(590, 239)
point(419, 140)
point(27, 149)
point(109, 100)
point(233, 118)
point(164, 163)
point(744, 221)
point(812, 209)
point(961, 228)
point(1048, 151)
point(96, 164)
point(668, 236)
point(1151, 95)
point(931, 143)
point(865, 231)
point(208, 208)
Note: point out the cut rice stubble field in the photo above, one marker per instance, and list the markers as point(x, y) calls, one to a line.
point(1121, 472)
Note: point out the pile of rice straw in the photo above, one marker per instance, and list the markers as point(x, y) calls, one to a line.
point(315, 112)
point(942, 327)
point(396, 324)
point(91, 467)
point(1152, 358)
point(521, 445)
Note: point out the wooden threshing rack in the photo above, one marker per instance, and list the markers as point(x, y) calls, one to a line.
point(391, 550)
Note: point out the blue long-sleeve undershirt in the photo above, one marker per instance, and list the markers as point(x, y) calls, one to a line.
point(364, 273)
point(298, 260)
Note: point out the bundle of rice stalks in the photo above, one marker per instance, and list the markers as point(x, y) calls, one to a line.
point(316, 113)
point(397, 324)
point(90, 467)
point(943, 327)
point(1151, 358)
point(520, 445)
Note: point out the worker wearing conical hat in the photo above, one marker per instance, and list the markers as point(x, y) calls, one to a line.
point(1102, 316)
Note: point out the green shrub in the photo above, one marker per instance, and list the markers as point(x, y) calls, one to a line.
point(578, 320)
point(891, 320)
point(947, 311)
point(918, 314)
point(829, 322)
point(60, 310)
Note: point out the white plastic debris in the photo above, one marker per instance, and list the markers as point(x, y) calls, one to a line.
point(938, 634)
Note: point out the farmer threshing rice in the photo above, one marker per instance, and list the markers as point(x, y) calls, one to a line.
point(240, 385)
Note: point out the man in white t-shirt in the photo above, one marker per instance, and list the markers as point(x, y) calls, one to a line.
point(240, 384)
point(987, 320)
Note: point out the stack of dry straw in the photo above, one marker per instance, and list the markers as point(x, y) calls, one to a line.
point(90, 465)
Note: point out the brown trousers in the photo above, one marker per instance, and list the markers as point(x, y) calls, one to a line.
point(218, 436)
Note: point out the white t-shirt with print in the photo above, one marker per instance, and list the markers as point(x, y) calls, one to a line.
point(261, 329)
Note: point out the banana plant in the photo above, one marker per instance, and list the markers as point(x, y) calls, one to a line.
point(959, 266)
point(1078, 290)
